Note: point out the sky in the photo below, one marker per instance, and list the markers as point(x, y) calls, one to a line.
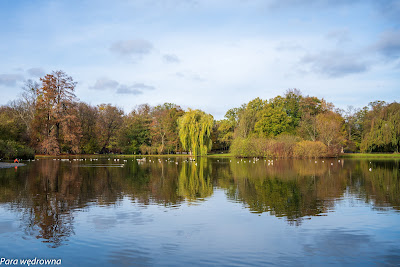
point(211, 55)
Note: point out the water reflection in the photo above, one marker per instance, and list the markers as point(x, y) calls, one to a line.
point(47, 193)
point(297, 189)
point(289, 188)
point(195, 180)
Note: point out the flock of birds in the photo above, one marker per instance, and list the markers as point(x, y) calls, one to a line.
point(270, 162)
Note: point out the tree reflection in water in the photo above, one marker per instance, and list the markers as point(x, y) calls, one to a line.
point(298, 189)
point(48, 193)
point(195, 180)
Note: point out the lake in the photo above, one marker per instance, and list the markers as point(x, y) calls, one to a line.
point(215, 211)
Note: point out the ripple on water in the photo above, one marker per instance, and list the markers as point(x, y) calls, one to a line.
point(136, 256)
point(141, 215)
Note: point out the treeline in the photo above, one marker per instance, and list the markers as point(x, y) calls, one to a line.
point(294, 125)
point(49, 119)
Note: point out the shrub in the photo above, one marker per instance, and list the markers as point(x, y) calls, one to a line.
point(281, 147)
point(285, 146)
point(310, 149)
point(12, 149)
point(246, 147)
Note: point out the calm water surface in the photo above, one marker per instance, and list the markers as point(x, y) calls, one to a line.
point(221, 212)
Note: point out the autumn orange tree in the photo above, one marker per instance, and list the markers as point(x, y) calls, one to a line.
point(56, 127)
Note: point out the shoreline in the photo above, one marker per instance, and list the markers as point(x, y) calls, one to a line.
point(222, 155)
point(5, 165)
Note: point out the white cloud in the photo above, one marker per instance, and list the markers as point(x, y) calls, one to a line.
point(104, 83)
point(389, 44)
point(142, 86)
point(120, 88)
point(36, 72)
point(334, 63)
point(171, 58)
point(123, 89)
point(10, 79)
point(340, 36)
point(131, 47)
point(135, 89)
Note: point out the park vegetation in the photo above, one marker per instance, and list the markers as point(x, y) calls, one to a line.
point(48, 118)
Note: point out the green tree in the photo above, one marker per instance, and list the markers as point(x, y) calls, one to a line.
point(272, 122)
point(224, 132)
point(309, 108)
point(88, 116)
point(195, 132)
point(292, 102)
point(248, 115)
point(134, 135)
point(232, 115)
point(13, 135)
point(109, 122)
point(383, 129)
point(10, 128)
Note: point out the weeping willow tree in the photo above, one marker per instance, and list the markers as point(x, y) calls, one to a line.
point(195, 132)
point(384, 132)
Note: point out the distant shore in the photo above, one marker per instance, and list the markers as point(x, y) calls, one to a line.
point(212, 155)
point(371, 155)
point(4, 165)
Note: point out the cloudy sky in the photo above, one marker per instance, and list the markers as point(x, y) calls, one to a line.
point(211, 54)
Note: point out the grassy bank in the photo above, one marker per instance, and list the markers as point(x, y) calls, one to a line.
point(371, 155)
point(218, 155)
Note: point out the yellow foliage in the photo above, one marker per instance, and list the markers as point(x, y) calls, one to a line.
point(310, 149)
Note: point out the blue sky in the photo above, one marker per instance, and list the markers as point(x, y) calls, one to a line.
point(213, 55)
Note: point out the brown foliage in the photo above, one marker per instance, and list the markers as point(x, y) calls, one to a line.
point(55, 126)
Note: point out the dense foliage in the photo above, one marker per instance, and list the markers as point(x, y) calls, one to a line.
point(48, 118)
point(195, 131)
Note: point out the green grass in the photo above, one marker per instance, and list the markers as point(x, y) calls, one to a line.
point(218, 155)
point(371, 155)
point(224, 155)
